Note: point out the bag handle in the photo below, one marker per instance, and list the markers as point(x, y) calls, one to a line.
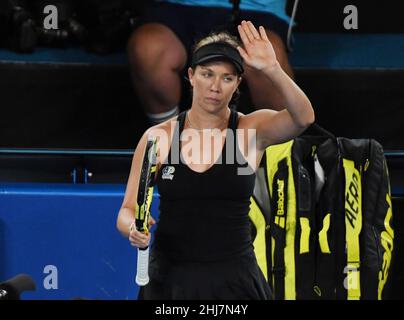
point(317, 129)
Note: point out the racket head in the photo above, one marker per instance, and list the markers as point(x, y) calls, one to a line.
point(146, 183)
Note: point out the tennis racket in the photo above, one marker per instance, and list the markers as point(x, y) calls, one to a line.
point(142, 210)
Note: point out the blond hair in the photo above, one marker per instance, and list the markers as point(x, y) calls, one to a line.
point(218, 37)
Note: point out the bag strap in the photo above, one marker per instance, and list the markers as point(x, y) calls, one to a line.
point(319, 131)
point(353, 221)
point(278, 227)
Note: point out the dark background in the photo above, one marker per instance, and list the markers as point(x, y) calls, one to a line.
point(89, 105)
point(326, 16)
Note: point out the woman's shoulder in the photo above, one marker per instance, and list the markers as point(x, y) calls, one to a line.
point(164, 128)
point(163, 133)
point(240, 115)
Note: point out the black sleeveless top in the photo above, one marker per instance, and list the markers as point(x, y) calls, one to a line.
point(204, 216)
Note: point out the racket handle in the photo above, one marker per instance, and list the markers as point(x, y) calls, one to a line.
point(142, 274)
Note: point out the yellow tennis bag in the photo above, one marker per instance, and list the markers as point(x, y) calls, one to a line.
point(322, 219)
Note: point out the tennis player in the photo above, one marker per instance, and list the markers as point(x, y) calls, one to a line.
point(202, 247)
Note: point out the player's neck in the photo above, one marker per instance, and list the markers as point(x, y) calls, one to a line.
point(200, 119)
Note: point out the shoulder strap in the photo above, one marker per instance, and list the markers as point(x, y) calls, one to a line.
point(181, 121)
point(174, 153)
point(233, 119)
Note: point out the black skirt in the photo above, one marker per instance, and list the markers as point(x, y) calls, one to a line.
point(233, 279)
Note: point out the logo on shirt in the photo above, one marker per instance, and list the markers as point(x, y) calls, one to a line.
point(168, 173)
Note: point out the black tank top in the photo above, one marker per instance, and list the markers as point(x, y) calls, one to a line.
point(204, 216)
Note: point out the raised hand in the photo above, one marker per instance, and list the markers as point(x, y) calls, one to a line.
point(258, 52)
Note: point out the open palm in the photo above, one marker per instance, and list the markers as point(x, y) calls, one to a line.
point(258, 52)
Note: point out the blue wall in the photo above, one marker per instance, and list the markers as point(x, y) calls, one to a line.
point(73, 228)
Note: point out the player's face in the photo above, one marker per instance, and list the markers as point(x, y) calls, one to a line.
point(214, 84)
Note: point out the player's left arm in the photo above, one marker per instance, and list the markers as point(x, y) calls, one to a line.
point(274, 127)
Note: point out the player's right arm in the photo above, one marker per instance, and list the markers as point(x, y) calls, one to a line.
point(126, 216)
